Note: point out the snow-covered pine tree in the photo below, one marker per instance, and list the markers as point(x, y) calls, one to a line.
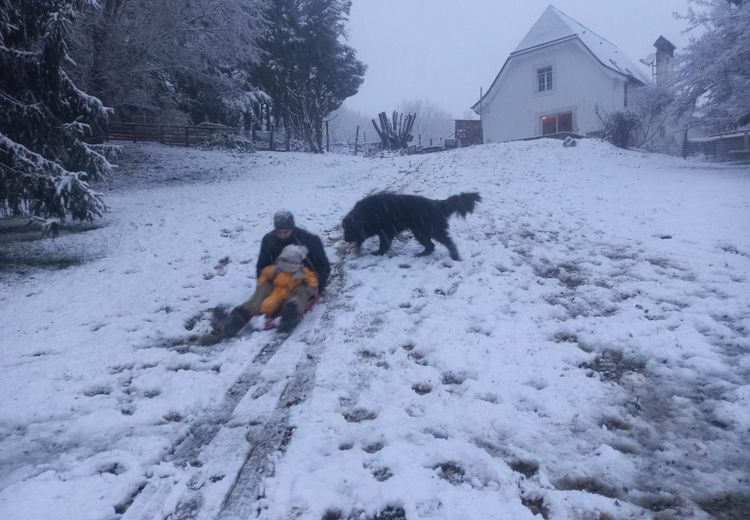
point(305, 67)
point(45, 166)
point(713, 76)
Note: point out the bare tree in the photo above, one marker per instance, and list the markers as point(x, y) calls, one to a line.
point(713, 74)
point(432, 120)
point(344, 123)
point(651, 106)
point(170, 60)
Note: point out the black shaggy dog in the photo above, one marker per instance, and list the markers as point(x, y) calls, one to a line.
point(387, 214)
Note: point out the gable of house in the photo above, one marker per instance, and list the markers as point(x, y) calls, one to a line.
point(571, 71)
point(555, 26)
point(555, 31)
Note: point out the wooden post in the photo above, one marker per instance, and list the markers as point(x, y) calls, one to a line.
point(187, 138)
point(420, 140)
point(288, 141)
point(356, 141)
point(161, 133)
point(328, 139)
point(685, 145)
point(481, 114)
point(270, 142)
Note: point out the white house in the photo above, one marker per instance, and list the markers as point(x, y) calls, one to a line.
point(555, 80)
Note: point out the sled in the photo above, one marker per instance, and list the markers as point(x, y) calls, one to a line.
point(273, 322)
point(257, 323)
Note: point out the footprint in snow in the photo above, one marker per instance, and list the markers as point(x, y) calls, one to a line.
point(422, 388)
point(374, 447)
point(359, 414)
point(453, 378)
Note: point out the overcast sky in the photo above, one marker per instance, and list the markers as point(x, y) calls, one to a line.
point(445, 50)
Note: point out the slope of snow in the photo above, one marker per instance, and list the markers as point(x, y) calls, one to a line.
point(587, 356)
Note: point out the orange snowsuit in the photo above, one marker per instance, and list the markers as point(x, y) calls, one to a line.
point(283, 284)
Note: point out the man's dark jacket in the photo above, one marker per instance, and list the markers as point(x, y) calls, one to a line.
point(271, 247)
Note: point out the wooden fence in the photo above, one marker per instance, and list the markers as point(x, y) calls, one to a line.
point(729, 146)
point(192, 135)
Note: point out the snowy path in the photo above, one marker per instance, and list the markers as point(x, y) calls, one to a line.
point(587, 358)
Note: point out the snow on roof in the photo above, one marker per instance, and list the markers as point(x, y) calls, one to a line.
point(554, 25)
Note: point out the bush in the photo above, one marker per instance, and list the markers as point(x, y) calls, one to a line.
point(230, 141)
point(620, 127)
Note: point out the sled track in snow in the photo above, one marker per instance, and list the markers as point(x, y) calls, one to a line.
point(274, 435)
point(147, 500)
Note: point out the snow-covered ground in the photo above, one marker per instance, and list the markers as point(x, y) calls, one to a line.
point(588, 358)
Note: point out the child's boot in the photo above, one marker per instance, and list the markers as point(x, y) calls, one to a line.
point(290, 317)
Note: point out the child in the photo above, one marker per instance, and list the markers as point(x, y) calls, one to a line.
point(285, 286)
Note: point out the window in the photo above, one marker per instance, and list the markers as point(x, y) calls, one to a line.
point(556, 123)
point(544, 78)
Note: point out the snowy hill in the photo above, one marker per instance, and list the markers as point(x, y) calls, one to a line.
point(587, 358)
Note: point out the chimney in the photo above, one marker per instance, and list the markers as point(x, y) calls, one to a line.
point(664, 65)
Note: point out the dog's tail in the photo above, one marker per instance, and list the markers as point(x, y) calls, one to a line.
point(462, 204)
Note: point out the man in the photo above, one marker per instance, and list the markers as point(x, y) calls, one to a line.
point(286, 233)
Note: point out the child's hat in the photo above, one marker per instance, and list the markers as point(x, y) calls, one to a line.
point(291, 258)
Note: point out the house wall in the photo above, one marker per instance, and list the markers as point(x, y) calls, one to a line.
point(513, 106)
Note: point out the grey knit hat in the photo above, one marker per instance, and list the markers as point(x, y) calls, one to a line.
point(291, 258)
point(283, 220)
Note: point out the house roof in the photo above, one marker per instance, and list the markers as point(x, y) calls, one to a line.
point(554, 27)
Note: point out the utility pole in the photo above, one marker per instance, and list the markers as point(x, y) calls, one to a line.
point(481, 113)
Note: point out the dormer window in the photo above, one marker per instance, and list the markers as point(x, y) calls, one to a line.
point(544, 78)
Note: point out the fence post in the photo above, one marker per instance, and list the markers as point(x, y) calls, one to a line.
point(288, 141)
point(161, 133)
point(270, 142)
point(356, 141)
point(685, 145)
point(187, 138)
